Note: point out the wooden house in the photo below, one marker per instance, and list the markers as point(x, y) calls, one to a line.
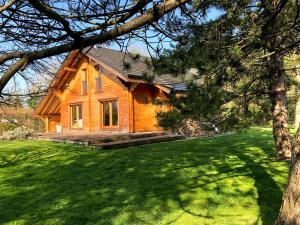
point(100, 89)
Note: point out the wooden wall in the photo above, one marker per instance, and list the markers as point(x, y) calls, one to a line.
point(144, 109)
point(136, 109)
point(53, 121)
point(112, 88)
point(72, 95)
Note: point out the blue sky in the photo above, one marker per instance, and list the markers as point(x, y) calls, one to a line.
point(136, 45)
point(141, 47)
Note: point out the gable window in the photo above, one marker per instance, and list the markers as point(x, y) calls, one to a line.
point(76, 116)
point(110, 115)
point(98, 79)
point(84, 85)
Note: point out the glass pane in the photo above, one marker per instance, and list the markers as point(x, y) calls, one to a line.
point(79, 108)
point(114, 105)
point(79, 112)
point(74, 116)
point(98, 84)
point(84, 77)
point(84, 87)
point(105, 113)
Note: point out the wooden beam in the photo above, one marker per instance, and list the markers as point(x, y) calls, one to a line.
point(48, 104)
point(61, 83)
point(131, 112)
point(46, 125)
point(41, 105)
point(58, 92)
point(73, 56)
point(132, 86)
point(53, 107)
point(165, 89)
point(70, 69)
point(89, 90)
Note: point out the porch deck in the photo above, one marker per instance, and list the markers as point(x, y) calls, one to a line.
point(109, 140)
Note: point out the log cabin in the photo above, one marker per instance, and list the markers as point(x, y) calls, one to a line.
point(104, 90)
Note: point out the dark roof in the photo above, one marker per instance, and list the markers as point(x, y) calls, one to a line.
point(133, 67)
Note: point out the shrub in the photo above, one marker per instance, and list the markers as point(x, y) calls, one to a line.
point(18, 133)
point(6, 127)
point(169, 120)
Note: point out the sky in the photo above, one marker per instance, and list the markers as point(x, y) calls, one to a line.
point(141, 47)
point(136, 46)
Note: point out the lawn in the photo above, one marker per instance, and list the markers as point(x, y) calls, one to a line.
point(223, 180)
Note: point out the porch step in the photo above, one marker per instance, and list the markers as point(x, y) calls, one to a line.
point(138, 141)
point(123, 137)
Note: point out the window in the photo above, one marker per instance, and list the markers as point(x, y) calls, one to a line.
point(98, 79)
point(110, 115)
point(76, 116)
point(84, 81)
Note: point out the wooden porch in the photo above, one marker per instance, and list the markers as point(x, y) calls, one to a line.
point(110, 140)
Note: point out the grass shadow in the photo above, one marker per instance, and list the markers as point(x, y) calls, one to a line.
point(224, 180)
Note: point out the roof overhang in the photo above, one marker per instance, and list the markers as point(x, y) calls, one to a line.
point(44, 108)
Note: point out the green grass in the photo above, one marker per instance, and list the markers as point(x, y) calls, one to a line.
point(223, 180)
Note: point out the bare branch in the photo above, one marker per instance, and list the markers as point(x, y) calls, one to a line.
point(121, 27)
point(7, 5)
point(42, 7)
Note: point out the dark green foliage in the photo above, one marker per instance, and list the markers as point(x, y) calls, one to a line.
point(229, 53)
point(170, 120)
point(32, 102)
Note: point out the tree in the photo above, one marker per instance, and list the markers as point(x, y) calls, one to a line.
point(34, 30)
point(249, 42)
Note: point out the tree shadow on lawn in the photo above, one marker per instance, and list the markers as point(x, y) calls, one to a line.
point(166, 183)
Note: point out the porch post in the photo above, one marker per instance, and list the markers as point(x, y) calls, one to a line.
point(46, 124)
point(131, 88)
point(131, 114)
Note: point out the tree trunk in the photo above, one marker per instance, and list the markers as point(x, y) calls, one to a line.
point(280, 112)
point(297, 110)
point(290, 209)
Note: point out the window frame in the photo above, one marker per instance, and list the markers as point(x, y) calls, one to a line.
point(110, 126)
point(72, 125)
point(98, 78)
point(84, 81)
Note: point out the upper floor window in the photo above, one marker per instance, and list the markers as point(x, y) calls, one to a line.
point(84, 85)
point(98, 79)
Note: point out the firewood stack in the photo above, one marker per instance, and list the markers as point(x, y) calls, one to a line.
point(194, 128)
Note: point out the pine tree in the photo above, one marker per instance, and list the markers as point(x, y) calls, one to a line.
point(247, 45)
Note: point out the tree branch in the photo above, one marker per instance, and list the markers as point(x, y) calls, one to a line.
point(151, 15)
point(14, 68)
point(43, 8)
point(7, 5)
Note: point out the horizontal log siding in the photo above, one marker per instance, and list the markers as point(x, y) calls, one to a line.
point(144, 108)
point(112, 88)
point(72, 94)
point(53, 121)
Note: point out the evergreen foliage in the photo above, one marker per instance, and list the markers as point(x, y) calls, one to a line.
point(232, 54)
